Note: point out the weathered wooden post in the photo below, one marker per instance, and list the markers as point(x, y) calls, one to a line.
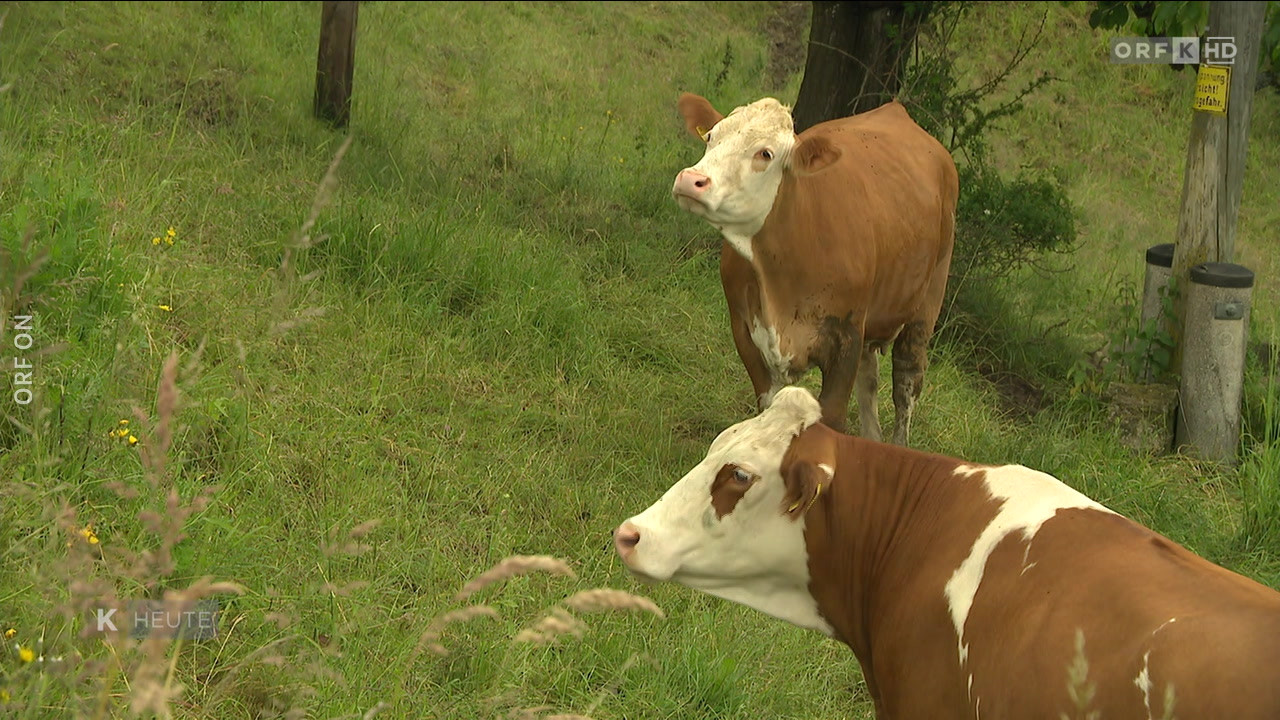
point(1219, 138)
point(1217, 332)
point(1211, 194)
point(336, 61)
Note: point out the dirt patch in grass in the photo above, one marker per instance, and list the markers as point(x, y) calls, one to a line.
point(1018, 396)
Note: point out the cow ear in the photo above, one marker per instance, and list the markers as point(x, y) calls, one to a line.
point(804, 482)
point(699, 116)
point(813, 154)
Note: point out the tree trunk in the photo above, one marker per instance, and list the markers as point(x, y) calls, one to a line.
point(857, 54)
point(336, 61)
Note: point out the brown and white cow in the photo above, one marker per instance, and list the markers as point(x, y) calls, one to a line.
point(960, 587)
point(837, 243)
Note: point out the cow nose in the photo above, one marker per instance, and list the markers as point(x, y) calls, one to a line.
point(625, 539)
point(692, 182)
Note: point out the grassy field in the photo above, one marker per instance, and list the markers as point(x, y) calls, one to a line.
point(492, 332)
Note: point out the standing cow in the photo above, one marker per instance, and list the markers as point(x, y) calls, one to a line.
point(837, 242)
point(966, 591)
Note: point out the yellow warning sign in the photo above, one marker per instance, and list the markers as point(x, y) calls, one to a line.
point(1212, 87)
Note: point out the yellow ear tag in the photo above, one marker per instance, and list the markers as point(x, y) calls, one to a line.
point(702, 132)
point(811, 502)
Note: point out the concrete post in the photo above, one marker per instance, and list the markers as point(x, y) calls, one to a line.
point(1159, 270)
point(1215, 336)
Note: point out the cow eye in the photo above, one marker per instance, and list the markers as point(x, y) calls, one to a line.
point(742, 477)
point(766, 155)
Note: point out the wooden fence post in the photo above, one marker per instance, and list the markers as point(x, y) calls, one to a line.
point(1214, 173)
point(1211, 329)
point(335, 64)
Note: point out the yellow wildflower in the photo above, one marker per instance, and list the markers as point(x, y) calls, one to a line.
point(155, 241)
point(133, 440)
point(8, 634)
point(4, 696)
point(25, 654)
point(171, 232)
point(87, 534)
point(165, 308)
point(124, 422)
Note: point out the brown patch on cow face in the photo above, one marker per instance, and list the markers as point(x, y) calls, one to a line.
point(727, 489)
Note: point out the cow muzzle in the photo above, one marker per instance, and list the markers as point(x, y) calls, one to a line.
point(690, 189)
point(647, 567)
point(625, 540)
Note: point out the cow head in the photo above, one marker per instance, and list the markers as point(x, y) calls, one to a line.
point(734, 184)
point(733, 526)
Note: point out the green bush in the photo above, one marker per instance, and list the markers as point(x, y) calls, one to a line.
point(1001, 223)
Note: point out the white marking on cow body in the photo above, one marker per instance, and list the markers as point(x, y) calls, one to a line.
point(1027, 499)
point(1026, 555)
point(739, 241)
point(1143, 681)
point(754, 555)
point(767, 341)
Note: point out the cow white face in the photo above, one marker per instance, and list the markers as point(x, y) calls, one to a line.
point(731, 527)
point(734, 184)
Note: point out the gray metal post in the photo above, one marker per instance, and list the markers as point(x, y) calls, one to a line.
point(1214, 339)
point(1159, 270)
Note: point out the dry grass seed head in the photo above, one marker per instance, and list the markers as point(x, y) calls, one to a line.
point(155, 452)
point(430, 639)
point(606, 599)
point(551, 627)
point(512, 567)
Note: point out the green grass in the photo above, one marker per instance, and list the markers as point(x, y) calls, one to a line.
point(502, 339)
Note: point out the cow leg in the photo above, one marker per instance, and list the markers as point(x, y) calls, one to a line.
point(839, 372)
point(909, 363)
point(741, 294)
point(868, 387)
point(753, 361)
